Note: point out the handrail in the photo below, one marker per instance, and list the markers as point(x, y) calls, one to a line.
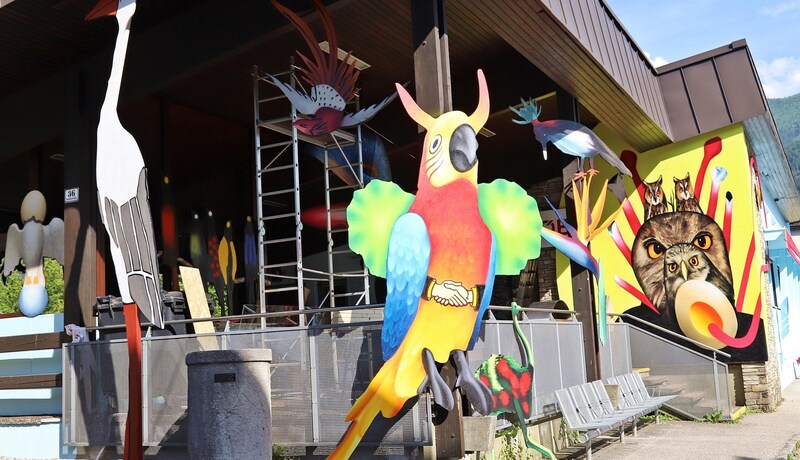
point(307, 311)
point(674, 334)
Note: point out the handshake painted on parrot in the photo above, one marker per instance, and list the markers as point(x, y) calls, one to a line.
point(451, 293)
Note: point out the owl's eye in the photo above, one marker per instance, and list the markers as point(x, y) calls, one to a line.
point(693, 261)
point(703, 241)
point(435, 144)
point(673, 267)
point(655, 249)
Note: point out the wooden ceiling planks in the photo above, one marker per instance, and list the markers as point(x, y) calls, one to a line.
point(40, 37)
point(556, 64)
point(620, 56)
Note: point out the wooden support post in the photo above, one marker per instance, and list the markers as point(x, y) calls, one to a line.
point(449, 426)
point(133, 424)
point(433, 94)
point(82, 250)
point(582, 291)
point(431, 56)
point(584, 305)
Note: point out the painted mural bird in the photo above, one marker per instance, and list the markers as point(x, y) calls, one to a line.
point(570, 137)
point(332, 82)
point(374, 159)
point(439, 251)
point(197, 247)
point(122, 184)
point(34, 241)
point(169, 235)
point(227, 263)
point(250, 262)
point(214, 272)
point(511, 383)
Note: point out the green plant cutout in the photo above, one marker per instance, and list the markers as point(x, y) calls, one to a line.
point(511, 384)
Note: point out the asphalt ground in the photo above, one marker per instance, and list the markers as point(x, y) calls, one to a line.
point(769, 435)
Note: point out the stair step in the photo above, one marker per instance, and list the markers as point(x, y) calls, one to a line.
point(644, 371)
point(671, 389)
point(688, 399)
point(654, 380)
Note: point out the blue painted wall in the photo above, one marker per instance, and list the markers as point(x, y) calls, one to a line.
point(40, 401)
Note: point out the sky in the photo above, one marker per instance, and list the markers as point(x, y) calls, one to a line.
point(668, 31)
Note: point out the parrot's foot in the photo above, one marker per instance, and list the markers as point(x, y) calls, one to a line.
point(579, 175)
point(593, 172)
point(442, 393)
point(477, 393)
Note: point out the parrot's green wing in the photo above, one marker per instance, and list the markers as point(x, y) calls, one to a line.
point(513, 218)
point(370, 218)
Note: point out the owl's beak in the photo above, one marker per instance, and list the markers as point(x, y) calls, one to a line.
point(684, 270)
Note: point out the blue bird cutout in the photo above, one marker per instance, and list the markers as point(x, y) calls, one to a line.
point(570, 137)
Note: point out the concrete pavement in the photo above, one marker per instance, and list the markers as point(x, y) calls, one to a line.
point(755, 436)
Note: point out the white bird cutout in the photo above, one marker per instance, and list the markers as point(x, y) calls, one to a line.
point(33, 242)
point(122, 185)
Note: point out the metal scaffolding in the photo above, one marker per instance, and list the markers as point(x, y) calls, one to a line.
point(278, 205)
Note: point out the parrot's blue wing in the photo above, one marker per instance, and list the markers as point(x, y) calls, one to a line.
point(487, 295)
point(406, 272)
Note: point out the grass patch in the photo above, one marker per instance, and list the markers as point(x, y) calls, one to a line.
point(795, 453)
point(662, 416)
point(712, 417)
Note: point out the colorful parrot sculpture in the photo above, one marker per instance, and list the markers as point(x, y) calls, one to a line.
point(439, 251)
point(511, 383)
point(570, 137)
point(332, 82)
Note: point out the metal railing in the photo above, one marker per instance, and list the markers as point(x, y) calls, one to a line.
point(317, 373)
point(702, 382)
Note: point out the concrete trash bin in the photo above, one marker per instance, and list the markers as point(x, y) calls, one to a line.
point(230, 413)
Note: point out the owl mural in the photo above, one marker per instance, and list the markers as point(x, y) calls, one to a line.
point(676, 247)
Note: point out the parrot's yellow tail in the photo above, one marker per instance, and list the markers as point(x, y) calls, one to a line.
point(381, 396)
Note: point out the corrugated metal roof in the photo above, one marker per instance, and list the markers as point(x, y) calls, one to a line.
point(721, 87)
point(580, 46)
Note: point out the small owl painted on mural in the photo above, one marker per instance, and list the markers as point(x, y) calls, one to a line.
point(684, 195)
point(654, 203)
point(675, 247)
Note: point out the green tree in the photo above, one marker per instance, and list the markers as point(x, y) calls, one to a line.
point(53, 273)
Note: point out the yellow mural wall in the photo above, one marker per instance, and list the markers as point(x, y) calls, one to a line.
point(744, 254)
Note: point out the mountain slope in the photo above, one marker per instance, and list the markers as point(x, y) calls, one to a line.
point(786, 112)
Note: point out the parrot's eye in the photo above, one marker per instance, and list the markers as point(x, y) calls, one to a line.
point(655, 249)
point(436, 144)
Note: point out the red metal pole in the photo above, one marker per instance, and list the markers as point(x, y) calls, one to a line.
point(133, 424)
